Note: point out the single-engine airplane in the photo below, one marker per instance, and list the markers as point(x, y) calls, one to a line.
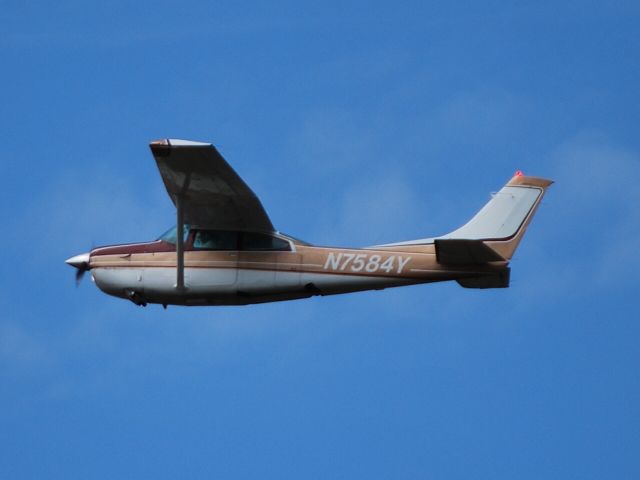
point(224, 250)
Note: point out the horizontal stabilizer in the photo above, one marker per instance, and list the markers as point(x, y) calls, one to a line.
point(496, 280)
point(464, 252)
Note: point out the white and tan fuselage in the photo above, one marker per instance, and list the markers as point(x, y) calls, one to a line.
point(244, 277)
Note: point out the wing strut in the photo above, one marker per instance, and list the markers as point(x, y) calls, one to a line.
point(179, 243)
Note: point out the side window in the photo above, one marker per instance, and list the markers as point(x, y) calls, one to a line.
point(261, 241)
point(215, 240)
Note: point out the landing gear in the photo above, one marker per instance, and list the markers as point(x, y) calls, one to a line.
point(136, 298)
point(313, 289)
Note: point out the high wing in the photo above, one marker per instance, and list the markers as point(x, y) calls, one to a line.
point(210, 193)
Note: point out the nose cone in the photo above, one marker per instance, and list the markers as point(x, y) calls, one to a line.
point(78, 261)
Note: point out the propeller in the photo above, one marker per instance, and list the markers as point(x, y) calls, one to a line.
point(81, 263)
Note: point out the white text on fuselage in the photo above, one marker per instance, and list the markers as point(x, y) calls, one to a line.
point(364, 262)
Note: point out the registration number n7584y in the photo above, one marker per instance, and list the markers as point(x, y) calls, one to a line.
point(365, 262)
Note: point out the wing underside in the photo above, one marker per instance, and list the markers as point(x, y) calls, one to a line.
point(211, 194)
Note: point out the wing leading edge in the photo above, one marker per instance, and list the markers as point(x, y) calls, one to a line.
point(211, 194)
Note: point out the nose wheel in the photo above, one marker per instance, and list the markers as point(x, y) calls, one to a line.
point(136, 298)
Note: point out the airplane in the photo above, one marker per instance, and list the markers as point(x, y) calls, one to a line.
point(224, 250)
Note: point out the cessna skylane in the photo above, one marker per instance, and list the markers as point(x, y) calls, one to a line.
point(224, 250)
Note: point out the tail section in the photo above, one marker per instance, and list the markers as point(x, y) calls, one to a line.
point(491, 237)
point(502, 222)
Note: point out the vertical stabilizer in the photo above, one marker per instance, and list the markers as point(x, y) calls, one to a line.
point(494, 233)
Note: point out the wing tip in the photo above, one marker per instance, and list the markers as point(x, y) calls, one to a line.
point(177, 142)
point(162, 147)
point(520, 179)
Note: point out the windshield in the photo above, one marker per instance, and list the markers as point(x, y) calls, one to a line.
point(294, 239)
point(170, 235)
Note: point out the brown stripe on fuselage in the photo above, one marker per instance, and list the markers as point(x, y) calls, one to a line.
point(419, 261)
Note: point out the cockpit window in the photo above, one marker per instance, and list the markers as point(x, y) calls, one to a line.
point(170, 235)
point(228, 240)
point(262, 241)
point(215, 240)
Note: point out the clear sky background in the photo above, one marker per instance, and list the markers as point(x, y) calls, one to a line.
point(356, 123)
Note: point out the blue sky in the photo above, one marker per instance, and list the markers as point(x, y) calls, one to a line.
point(356, 123)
